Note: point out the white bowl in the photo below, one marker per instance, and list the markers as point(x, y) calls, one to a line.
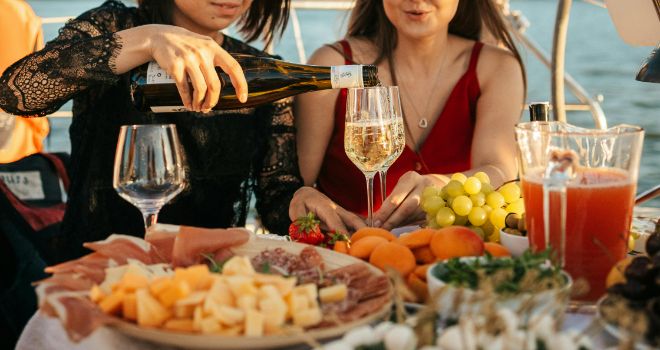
point(469, 301)
point(514, 243)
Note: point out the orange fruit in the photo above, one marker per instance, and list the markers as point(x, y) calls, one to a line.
point(372, 231)
point(393, 255)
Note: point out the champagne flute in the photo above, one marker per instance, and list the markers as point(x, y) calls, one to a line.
point(148, 170)
point(368, 135)
point(399, 138)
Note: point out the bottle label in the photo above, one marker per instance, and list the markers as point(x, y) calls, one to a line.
point(168, 109)
point(348, 76)
point(157, 75)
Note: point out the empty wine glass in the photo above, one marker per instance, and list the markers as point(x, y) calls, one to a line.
point(399, 138)
point(369, 134)
point(148, 170)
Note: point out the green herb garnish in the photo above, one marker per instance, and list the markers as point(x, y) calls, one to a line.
point(215, 266)
point(530, 272)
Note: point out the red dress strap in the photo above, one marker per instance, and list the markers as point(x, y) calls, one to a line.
point(348, 53)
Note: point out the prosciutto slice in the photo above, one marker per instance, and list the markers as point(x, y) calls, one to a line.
point(120, 248)
point(91, 266)
point(193, 242)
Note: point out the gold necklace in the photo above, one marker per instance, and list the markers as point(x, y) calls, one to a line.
point(422, 120)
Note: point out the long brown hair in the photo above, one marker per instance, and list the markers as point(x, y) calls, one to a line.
point(368, 20)
point(264, 19)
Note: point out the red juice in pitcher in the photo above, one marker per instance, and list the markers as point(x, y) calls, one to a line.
point(598, 216)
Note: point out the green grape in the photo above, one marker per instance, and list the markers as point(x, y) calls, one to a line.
point(472, 185)
point(479, 231)
point(460, 177)
point(443, 193)
point(478, 199)
point(445, 217)
point(449, 201)
point(494, 236)
point(462, 205)
point(432, 204)
point(477, 216)
point(517, 206)
point(495, 200)
point(487, 208)
point(430, 192)
point(432, 224)
point(486, 188)
point(461, 220)
point(483, 177)
point(454, 188)
point(497, 217)
point(510, 192)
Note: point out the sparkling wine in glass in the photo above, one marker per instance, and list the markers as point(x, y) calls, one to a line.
point(399, 137)
point(148, 170)
point(369, 134)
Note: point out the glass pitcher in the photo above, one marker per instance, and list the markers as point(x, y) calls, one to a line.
point(579, 187)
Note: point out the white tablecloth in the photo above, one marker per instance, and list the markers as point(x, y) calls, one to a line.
point(45, 333)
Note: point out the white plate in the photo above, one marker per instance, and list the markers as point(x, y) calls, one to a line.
point(332, 261)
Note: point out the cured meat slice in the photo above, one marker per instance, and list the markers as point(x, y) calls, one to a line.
point(162, 242)
point(122, 247)
point(193, 242)
point(79, 315)
point(91, 266)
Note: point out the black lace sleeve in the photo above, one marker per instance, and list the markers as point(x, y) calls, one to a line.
point(279, 176)
point(81, 56)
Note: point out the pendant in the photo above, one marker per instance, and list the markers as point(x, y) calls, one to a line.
point(423, 123)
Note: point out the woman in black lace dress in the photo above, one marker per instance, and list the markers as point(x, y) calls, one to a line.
point(230, 154)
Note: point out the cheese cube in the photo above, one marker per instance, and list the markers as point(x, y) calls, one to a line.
point(221, 293)
point(241, 285)
point(129, 307)
point(296, 302)
point(149, 311)
point(209, 325)
point(247, 302)
point(238, 265)
point(228, 315)
point(333, 294)
point(184, 311)
point(274, 311)
point(307, 318)
point(268, 291)
point(254, 323)
point(309, 289)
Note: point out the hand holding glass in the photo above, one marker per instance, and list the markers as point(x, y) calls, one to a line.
point(148, 170)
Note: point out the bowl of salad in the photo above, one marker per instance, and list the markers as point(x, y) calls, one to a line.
point(528, 283)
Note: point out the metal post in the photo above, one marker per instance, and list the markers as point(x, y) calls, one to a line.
point(558, 58)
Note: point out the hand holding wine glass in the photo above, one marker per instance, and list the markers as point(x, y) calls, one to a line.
point(148, 170)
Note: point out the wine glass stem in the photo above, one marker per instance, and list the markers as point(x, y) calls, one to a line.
point(383, 184)
point(370, 198)
point(150, 218)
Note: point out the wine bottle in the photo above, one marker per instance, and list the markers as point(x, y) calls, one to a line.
point(540, 112)
point(153, 90)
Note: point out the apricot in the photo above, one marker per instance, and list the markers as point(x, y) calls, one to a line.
point(456, 241)
point(420, 271)
point(416, 239)
point(363, 248)
point(372, 231)
point(617, 273)
point(393, 255)
point(424, 255)
point(496, 249)
point(418, 286)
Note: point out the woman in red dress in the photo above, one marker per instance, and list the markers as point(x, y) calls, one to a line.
point(460, 98)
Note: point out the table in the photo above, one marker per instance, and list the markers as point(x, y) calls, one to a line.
point(45, 333)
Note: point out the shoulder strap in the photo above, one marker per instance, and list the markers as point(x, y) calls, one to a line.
point(474, 57)
point(60, 168)
point(348, 53)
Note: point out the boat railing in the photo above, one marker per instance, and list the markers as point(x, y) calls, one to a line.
point(517, 21)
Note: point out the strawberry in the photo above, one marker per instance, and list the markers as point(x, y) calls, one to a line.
point(306, 230)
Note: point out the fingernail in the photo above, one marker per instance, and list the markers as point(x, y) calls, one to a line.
point(243, 97)
point(377, 223)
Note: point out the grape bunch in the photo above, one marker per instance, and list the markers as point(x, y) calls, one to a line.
point(472, 202)
point(640, 287)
